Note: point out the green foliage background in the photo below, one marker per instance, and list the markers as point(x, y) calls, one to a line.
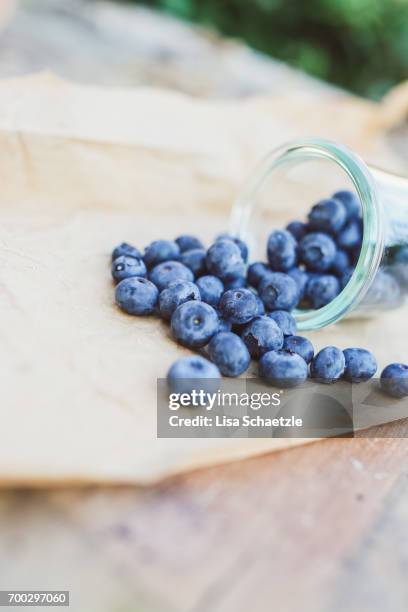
point(359, 44)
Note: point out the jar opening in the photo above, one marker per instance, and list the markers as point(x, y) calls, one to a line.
point(293, 162)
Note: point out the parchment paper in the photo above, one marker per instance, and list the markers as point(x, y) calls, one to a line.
point(82, 169)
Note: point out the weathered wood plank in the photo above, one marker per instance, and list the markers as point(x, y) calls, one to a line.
point(303, 529)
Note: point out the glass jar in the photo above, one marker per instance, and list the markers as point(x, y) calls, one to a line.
point(295, 176)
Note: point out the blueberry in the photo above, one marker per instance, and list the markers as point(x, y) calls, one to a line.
point(240, 244)
point(285, 321)
point(224, 260)
point(168, 272)
point(186, 374)
point(126, 249)
point(394, 380)
point(195, 260)
point(327, 216)
point(126, 267)
point(361, 365)
point(177, 293)
point(239, 306)
point(283, 369)
point(223, 324)
point(236, 283)
point(351, 235)
point(229, 353)
point(136, 296)
point(187, 243)
point(261, 335)
point(159, 251)
point(317, 251)
point(350, 202)
point(211, 289)
point(298, 229)
point(322, 289)
point(279, 291)
point(256, 273)
point(261, 306)
point(194, 323)
point(301, 346)
point(345, 277)
point(400, 266)
point(281, 249)
point(354, 255)
point(328, 365)
point(300, 277)
point(341, 263)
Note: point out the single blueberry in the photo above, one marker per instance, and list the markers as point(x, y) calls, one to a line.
point(361, 365)
point(126, 249)
point(281, 250)
point(298, 229)
point(159, 251)
point(301, 346)
point(351, 235)
point(136, 296)
point(195, 260)
point(285, 321)
point(194, 323)
point(177, 293)
point(301, 278)
point(256, 273)
point(190, 374)
point(240, 244)
point(341, 263)
point(239, 306)
point(211, 289)
point(261, 335)
point(350, 201)
point(327, 216)
point(317, 251)
point(394, 380)
point(306, 303)
point(328, 365)
point(283, 369)
point(126, 267)
point(187, 243)
point(279, 291)
point(224, 260)
point(236, 283)
point(229, 353)
point(168, 272)
point(322, 289)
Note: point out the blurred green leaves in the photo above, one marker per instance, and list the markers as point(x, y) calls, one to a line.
point(359, 44)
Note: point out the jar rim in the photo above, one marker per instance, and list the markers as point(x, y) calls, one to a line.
point(373, 235)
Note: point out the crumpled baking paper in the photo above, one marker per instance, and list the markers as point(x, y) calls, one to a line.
point(82, 169)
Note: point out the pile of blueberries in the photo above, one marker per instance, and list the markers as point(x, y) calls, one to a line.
point(216, 304)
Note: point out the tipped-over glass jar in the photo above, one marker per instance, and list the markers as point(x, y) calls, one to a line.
point(291, 180)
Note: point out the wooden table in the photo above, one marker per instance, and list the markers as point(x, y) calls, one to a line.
point(319, 527)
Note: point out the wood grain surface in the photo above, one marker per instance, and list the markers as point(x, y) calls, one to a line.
point(320, 527)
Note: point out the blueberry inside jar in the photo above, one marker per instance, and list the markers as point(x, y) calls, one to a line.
point(333, 225)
